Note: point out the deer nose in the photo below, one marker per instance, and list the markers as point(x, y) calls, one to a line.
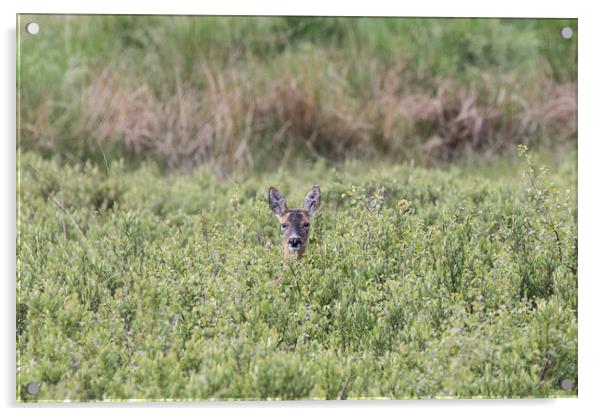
point(294, 242)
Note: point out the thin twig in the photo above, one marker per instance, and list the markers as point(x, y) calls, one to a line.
point(296, 279)
point(343, 393)
point(104, 156)
point(62, 207)
point(64, 210)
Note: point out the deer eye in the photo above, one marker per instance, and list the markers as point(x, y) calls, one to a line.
point(283, 225)
point(306, 225)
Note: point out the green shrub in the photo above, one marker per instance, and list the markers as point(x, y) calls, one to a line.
point(417, 283)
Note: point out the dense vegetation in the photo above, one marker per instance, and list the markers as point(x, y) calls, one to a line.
point(422, 278)
point(417, 283)
point(224, 92)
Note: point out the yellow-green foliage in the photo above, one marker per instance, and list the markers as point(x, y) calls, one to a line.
point(417, 283)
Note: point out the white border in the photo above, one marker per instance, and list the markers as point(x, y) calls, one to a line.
point(590, 95)
point(508, 8)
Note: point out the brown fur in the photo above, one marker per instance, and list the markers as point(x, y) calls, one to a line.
point(294, 222)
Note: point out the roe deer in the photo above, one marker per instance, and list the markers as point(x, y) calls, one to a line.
point(295, 221)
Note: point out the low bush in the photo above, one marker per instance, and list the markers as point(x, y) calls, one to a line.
point(417, 283)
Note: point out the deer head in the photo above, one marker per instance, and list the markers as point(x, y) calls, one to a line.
point(294, 222)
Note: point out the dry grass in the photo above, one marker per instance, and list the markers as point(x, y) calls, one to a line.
point(232, 122)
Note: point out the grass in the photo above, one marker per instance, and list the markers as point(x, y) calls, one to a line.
point(224, 92)
point(422, 279)
point(418, 283)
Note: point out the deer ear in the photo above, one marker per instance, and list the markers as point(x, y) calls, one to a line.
point(312, 201)
point(277, 202)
